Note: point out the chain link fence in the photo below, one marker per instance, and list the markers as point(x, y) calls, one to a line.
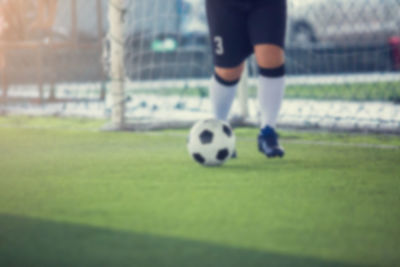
point(342, 58)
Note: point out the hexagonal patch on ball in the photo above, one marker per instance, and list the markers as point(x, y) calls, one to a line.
point(199, 158)
point(227, 130)
point(222, 154)
point(206, 137)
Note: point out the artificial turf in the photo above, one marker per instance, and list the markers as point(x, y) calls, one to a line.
point(71, 195)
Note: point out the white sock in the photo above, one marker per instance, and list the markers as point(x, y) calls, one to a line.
point(270, 96)
point(221, 96)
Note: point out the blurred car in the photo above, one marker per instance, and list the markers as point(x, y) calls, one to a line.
point(343, 22)
point(162, 37)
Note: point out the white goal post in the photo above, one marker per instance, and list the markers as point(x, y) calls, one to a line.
point(116, 12)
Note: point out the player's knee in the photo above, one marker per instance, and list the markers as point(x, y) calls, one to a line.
point(229, 74)
point(272, 72)
point(269, 56)
point(271, 60)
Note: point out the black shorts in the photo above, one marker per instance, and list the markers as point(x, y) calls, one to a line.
point(237, 25)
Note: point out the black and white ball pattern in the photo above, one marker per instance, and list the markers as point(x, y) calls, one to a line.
point(211, 142)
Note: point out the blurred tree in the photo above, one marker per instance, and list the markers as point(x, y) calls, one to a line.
point(24, 19)
point(16, 16)
point(46, 14)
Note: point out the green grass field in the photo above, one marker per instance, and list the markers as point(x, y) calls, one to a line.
point(71, 195)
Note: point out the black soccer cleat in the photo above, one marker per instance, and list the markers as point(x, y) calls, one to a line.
point(268, 143)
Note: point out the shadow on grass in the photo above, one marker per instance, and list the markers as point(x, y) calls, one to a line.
point(33, 242)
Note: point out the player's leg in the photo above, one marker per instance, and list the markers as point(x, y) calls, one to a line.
point(271, 87)
point(267, 26)
point(271, 82)
point(223, 88)
point(227, 23)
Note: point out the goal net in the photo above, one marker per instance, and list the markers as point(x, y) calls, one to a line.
point(341, 70)
point(146, 64)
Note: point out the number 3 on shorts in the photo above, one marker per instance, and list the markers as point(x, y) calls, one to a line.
point(219, 47)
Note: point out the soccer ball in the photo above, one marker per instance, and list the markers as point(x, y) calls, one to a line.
point(211, 142)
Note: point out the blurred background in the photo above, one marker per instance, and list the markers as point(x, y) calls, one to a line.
point(343, 61)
